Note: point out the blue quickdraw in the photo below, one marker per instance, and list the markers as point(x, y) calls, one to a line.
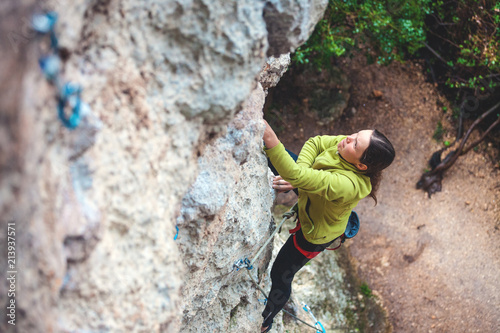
point(242, 263)
point(321, 326)
point(176, 233)
point(50, 66)
point(247, 263)
point(317, 323)
point(44, 23)
point(68, 93)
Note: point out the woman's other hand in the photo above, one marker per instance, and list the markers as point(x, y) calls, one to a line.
point(270, 138)
point(281, 185)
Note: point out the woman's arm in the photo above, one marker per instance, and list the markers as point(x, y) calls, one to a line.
point(270, 138)
point(330, 185)
point(313, 147)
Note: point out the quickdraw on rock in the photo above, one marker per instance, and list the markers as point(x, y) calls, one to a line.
point(68, 94)
point(317, 323)
point(176, 232)
point(242, 263)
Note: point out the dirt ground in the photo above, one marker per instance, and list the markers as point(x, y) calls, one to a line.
point(434, 262)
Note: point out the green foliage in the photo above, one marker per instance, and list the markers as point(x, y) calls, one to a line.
point(327, 41)
point(365, 290)
point(469, 33)
point(438, 132)
point(394, 28)
point(461, 35)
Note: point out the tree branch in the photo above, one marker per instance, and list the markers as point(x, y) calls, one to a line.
point(444, 166)
point(435, 53)
point(475, 143)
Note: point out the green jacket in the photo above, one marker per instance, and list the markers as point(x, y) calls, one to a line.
point(329, 187)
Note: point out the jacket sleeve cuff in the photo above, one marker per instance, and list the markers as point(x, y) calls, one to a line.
point(275, 150)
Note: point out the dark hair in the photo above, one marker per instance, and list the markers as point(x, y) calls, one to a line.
point(378, 156)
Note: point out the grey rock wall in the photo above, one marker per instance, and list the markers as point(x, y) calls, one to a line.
point(291, 22)
point(273, 71)
point(96, 207)
point(225, 216)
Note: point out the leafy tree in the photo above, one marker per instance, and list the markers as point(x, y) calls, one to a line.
point(394, 29)
point(463, 36)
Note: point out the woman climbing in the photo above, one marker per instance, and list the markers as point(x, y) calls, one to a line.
point(332, 174)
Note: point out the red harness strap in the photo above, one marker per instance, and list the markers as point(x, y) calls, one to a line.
point(307, 254)
point(297, 228)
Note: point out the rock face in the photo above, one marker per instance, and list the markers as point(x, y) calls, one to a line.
point(221, 222)
point(273, 71)
point(291, 22)
point(95, 208)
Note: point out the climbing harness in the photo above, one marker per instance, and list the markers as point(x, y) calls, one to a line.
point(248, 264)
point(351, 230)
point(68, 94)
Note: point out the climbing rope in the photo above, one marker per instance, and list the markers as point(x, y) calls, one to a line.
point(248, 264)
point(285, 311)
point(68, 94)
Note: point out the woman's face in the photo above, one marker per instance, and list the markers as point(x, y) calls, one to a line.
point(353, 147)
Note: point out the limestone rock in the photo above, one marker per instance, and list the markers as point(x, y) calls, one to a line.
point(225, 216)
point(273, 71)
point(291, 22)
point(96, 207)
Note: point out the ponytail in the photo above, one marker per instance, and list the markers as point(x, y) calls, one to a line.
point(378, 156)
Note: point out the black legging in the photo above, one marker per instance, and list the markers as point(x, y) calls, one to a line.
point(288, 262)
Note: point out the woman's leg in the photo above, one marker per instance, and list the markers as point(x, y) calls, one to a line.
point(288, 262)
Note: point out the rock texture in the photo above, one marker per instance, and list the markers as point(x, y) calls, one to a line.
point(221, 222)
point(95, 208)
point(291, 22)
point(273, 71)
